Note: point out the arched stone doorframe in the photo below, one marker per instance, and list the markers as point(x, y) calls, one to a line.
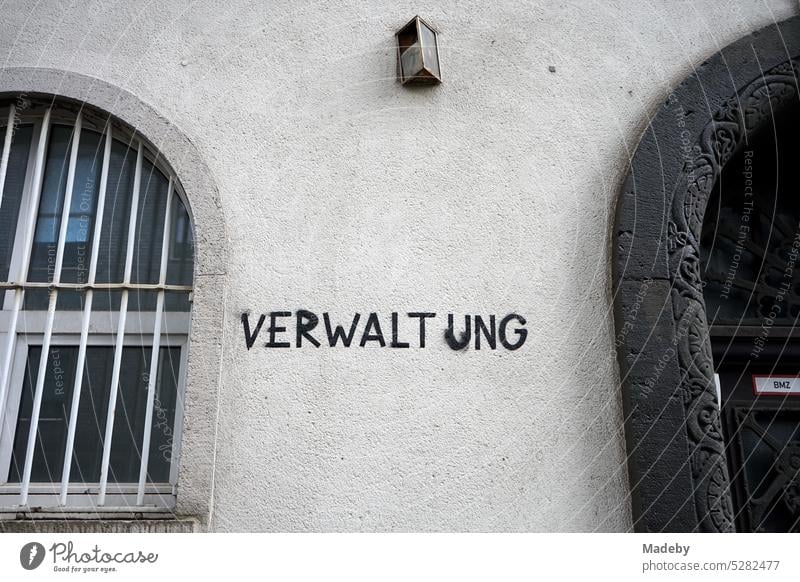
point(676, 453)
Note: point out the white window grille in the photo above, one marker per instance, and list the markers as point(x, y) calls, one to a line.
point(96, 257)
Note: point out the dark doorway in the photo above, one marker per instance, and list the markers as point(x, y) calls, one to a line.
point(750, 265)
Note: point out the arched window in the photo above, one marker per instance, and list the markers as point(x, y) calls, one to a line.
point(96, 259)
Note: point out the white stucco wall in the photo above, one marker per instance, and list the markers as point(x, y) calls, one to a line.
point(345, 192)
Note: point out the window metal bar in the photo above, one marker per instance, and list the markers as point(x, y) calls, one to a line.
point(37, 401)
point(151, 381)
point(102, 324)
point(87, 312)
point(7, 149)
point(30, 223)
point(123, 314)
point(3, 172)
point(51, 312)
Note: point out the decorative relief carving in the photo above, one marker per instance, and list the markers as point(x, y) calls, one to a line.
point(720, 139)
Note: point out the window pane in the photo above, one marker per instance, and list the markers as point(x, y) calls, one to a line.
point(90, 427)
point(142, 301)
point(130, 415)
point(78, 243)
point(150, 226)
point(428, 42)
point(12, 194)
point(177, 302)
point(51, 201)
point(114, 237)
point(181, 256)
point(51, 436)
point(162, 436)
point(181, 252)
point(91, 420)
point(106, 300)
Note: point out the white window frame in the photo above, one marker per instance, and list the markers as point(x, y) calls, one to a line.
point(21, 329)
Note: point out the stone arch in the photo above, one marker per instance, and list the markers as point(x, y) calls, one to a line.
point(676, 452)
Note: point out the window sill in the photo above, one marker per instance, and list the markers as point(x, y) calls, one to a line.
point(82, 499)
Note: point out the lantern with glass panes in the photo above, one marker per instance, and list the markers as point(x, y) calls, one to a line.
point(418, 53)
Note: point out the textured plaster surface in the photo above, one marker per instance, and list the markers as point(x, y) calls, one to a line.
point(343, 192)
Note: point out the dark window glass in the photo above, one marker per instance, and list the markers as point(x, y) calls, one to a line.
point(91, 420)
point(51, 202)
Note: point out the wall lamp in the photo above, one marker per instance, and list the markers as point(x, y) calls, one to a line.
point(418, 54)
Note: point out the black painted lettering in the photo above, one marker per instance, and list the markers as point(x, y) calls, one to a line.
point(306, 321)
point(396, 343)
point(334, 335)
point(489, 333)
point(250, 339)
point(486, 329)
point(450, 336)
point(522, 333)
point(377, 335)
point(422, 317)
point(274, 329)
